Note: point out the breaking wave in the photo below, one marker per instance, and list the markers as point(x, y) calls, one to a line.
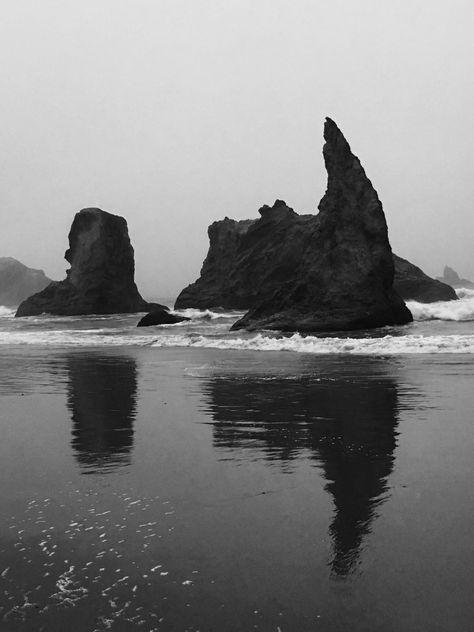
point(465, 292)
point(6, 312)
point(387, 345)
point(206, 314)
point(463, 309)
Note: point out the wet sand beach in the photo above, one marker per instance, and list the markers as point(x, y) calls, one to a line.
point(200, 489)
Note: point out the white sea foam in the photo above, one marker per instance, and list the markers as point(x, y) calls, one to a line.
point(6, 312)
point(73, 338)
point(465, 292)
point(206, 314)
point(387, 345)
point(463, 309)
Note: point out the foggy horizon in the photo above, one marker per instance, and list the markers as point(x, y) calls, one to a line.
point(175, 114)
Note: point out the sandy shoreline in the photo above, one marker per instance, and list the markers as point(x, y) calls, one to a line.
point(220, 490)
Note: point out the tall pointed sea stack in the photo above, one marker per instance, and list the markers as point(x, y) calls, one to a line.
point(343, 276)
point(101, 277)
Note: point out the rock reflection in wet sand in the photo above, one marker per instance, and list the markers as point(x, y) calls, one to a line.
point(347, 424)
point(101, 397)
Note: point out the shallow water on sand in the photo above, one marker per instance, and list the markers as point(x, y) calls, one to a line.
point(200, 489)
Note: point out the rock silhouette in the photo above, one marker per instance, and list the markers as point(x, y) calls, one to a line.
point(160, 316)
point(247, 259)
point(414, 285)
point(101, 277)
point(234, 276)
point(331, 271)
point(17, 281)
point(452, 278)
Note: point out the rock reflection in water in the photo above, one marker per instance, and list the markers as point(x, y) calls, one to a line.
point(345, 423)
point(101, 396)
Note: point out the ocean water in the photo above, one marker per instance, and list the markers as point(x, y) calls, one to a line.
point(185, 477)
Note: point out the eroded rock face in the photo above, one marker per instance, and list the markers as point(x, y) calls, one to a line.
point(17, 281)
point(247, 259)
point(414, 285)
point(220, 282)
point(332, 271)
point(452, 278)
point(101, 277)
point(239, 270)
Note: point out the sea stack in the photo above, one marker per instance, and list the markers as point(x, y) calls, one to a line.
point(331, 271)
point(17, 281)
point(342, 278)
point(249, 259)
point(240, 269)
point(452, 278)
point(101, 277)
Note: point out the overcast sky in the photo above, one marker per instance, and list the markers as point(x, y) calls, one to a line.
point(176, 113)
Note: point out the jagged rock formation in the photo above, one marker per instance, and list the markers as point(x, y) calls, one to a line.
point(332, 271)
point(223, 282)
point(452, 278)
point(101, 277)
point(235, 276)
point(17, 281)
point(414, 285)
point(161, 316)
point(247, 259)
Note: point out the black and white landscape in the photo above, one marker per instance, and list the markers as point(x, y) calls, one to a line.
point(245, 400)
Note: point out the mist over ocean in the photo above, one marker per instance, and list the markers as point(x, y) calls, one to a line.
point(186, 477)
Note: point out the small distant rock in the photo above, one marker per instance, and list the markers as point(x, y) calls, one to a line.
point(161, 316)
point(452, 278)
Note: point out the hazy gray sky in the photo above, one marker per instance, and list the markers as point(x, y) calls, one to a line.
point(175, 113)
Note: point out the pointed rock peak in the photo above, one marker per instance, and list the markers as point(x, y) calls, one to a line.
point(336, 150)
point(451, 276)
point(349, 191)
point(331, 129)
